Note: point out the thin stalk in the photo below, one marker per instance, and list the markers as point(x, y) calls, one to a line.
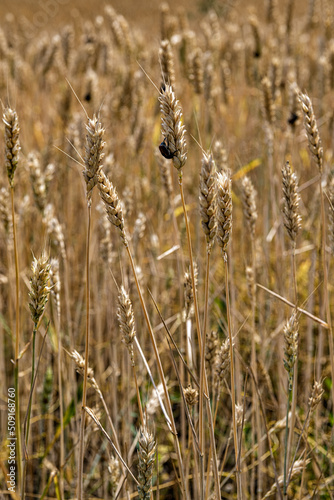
point(114, 434)
point(295, 368)
point(180, 269)
point(229, 326)
point(202, 361)
point(208, 408)
point(17, 337)
point(255, 414)
point(27, 416)
point(192, 270)
point(84, 393)
point(161, 374)
point(32, 380)
point(138, 397)
point(61, 403)
point(326, 290)
point(286, 445)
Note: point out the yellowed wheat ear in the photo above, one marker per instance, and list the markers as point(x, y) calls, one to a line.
point(312, 131)
point(126, 321)
point(191, 395)
point(224, 210)
point(146, 460)
point(188, 291)
point(167, 64)
point(12, 143)
point(315, 398)
point(249, 204)
point(208, 199)
point(223, 361)
point(112, 204)
point(93, 154)
point(291, 217)
point(172, 129)
point(291, 337)
point(39, 287)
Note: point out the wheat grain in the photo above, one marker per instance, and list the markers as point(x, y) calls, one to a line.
point(126, 321)
point(146, 456)
point(12, 143)
point(172, 128)
point(249, 203)
point(93, 155)
point(312, 131)
point(224, 210)
point(207, 199)
point(291, 217)
point(39, 287)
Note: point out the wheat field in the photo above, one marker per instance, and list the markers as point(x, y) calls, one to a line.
point(167, 243)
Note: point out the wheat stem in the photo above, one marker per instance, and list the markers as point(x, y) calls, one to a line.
point(84, 393)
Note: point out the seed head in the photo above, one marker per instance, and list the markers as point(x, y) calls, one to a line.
point(312, 132)
point(126, 321)
point(112, 203)
point(224, 211)
point(188, 291)
point(291, 345)
point(39, 287)
point(12, 143)
point(93, 154)
point(249, 203)
point(146, 455)
point(171, 126)
point(223, 360)
point(167, 63)
point(291, 217)
point(316, 395)
point(207, 199)
point(191, 395)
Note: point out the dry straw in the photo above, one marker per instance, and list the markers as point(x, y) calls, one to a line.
point(331, 212)
point(80, 366)
point(297, 469)
point(165, 176)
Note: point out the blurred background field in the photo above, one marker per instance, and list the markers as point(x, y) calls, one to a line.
point(238, 70)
